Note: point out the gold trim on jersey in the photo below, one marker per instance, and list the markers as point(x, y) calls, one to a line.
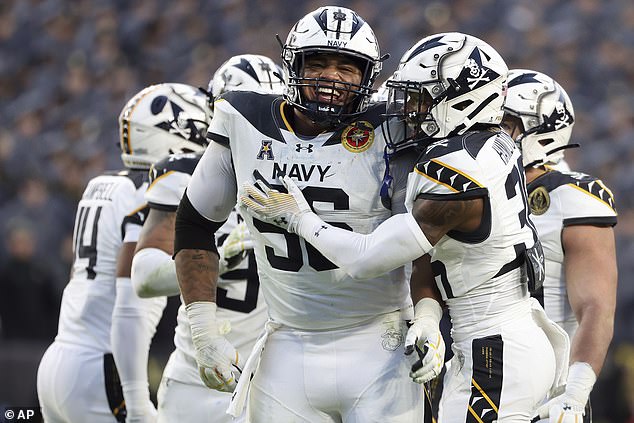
point(358, 136)
point(137, 210)
point(435, 180)
point(445, 165)
point(283, 115)
point(585, 191)
point(539, 201)
point(159, 177)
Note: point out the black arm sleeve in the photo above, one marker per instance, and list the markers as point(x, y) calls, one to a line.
point(193, 230)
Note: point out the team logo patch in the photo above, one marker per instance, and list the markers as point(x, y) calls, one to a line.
point(539, 201)
point(266, 150)
point(391, 339)
point(358, 137)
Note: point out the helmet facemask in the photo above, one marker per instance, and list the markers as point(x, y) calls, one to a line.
point(337, 32)
point(462, 81)
point(326, 109)
point(411, 103)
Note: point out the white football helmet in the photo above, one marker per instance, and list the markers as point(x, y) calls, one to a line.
point(444, 85)
point(246, 72)
point(160, 120)
point(330, 29)
point(546, 113)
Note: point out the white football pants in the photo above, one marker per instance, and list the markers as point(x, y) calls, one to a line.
point(71, 385)
point(499, 377)
point(353, 375)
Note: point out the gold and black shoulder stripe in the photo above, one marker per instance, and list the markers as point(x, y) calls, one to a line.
point(460, 183)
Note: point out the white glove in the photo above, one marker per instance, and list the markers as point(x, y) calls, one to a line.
point(235, 248)
point(217, 359)
point(569, 407)
point(147, 414)
point(425, 338)
point(269, 205)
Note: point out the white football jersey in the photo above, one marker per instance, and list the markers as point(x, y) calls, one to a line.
point(238, 294)
point(340, 174)
point(469, 267)
point(559, 199)
point(110, 212)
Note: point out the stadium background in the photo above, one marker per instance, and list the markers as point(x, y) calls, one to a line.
point(68, 67)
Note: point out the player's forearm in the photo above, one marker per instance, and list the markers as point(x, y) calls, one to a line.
point(134, 322)
point(592, 339)
point(197, 272)
point(397, 241)
point(422, 282)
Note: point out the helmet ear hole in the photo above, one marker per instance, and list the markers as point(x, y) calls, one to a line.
point(547, 141)
point(462, 105)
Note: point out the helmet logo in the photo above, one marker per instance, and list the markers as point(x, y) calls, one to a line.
point(563, 118)
point(358, 137)
point(179, 125)
point(339, 16)
point(473, 75)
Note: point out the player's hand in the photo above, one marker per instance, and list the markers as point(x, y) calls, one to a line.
point(425, 338)
point(561, 409)
point(281, 209)
point(217, 359)
point(147, 415)
point(236, 246)
point(569, 407)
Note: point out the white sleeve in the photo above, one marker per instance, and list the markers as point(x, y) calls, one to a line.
point(212, 189)
point(154, 273)
point(132, 232)
point(394, 243)
point(134, 322)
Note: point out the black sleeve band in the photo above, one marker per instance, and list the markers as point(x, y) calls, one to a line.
point(193, 230)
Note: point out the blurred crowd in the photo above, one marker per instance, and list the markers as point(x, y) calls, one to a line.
point(68, 67)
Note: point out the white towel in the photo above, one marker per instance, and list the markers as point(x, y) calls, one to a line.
point(558, 339)
point(241, 392)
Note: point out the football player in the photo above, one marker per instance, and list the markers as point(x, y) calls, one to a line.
point(468, 228)
point(332, 350)
point(574, 214)
point(182, 396)
point(77, 377)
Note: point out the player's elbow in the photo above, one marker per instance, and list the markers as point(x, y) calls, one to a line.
point(153, 274)
point(362, 270)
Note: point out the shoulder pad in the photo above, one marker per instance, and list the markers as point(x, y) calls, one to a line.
point(258, 108)
point(586, 183)
point(184, 163)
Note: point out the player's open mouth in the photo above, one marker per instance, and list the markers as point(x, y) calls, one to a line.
point(327, 95)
